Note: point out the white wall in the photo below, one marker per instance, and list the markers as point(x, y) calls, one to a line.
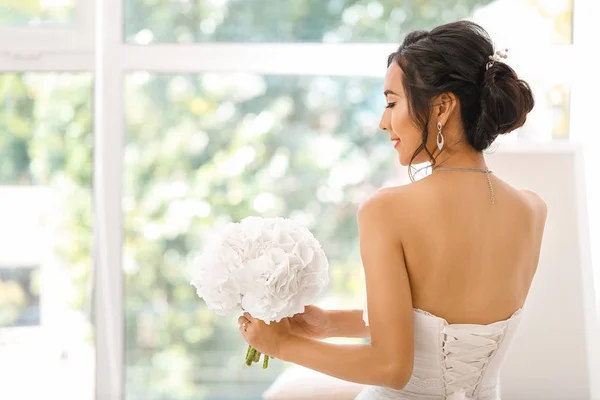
point(555, 354)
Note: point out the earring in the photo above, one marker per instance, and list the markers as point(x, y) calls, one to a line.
point(440, 137)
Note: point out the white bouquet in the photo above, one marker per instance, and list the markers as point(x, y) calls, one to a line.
point(268, 267)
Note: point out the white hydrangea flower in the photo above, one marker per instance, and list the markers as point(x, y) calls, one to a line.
point(268, 267)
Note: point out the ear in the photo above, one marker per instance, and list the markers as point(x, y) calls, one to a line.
point(443, 106)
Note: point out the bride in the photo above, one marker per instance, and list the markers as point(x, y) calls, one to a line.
point(448, 259)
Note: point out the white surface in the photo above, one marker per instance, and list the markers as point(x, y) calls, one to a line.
point(55, 354)
point(36, 368)
point(554, 355)
point(299, 383)
point(585, 129)
point(22, 231)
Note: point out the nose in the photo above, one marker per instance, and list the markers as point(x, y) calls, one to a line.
point(383, 122)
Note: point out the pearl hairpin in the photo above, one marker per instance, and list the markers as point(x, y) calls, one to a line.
point(497, 56)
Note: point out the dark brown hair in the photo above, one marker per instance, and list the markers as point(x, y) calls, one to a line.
point(452, 58)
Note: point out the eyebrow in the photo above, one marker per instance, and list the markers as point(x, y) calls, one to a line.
point(390, 92)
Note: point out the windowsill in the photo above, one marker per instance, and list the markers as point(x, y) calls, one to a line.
point(536, 147)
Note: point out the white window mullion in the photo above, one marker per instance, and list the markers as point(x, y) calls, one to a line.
point(348, 59)
point(108, 226)
point(26, 61)
point(265, 58)
point(84, 24)
point(47, 38)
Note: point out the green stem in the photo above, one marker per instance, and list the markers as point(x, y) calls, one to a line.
point(253, 356)
point(250, 356)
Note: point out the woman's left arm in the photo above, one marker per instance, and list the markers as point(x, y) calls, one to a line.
point(388, 359)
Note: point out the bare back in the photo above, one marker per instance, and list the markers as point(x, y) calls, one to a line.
point(468, 260)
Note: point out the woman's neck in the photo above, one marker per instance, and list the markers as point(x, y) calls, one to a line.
point(460, 156)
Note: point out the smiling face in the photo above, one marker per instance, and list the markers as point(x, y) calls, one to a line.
point(397, 121)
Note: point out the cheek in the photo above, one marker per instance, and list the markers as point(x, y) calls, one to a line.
point(399, 120)
point(403, 126)
point(410, 136)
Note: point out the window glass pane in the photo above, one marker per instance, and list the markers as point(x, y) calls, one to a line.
point(190, 21)
point(34, 12)
point(204, 149)
point(46, 335)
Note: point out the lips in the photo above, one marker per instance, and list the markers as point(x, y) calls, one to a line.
point(397, 142)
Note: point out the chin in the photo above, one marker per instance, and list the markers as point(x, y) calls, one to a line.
point(404, 160)
point(404, 163)
point(405, 157)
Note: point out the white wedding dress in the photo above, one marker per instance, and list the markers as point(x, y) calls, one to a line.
point(452, 361)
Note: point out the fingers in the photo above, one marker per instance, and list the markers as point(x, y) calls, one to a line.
point(243, 323)
point(249, 317)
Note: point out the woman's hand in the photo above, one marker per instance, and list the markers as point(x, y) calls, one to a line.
point(313, 323)
point(268, 339)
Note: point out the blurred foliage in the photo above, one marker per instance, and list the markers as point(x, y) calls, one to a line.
point(24, 12)
point(46, 141)
point(12, 302)
point(189, 21)
point(19, 296)
point(332, 21)
point(215, 148)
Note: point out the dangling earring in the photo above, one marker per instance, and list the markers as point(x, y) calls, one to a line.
point(440, 137)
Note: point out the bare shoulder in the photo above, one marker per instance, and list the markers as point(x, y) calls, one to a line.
point(378, 216)
point(386, 200)
point(536, 203)
point(387, 209)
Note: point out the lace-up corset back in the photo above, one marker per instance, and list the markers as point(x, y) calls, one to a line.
point(452, 361)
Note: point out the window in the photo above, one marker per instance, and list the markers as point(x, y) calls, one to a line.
point(46, 235)
point(286, 21)
point(202, 150)
point(204, 111)
point(17, 12)
point(21, 296)
point(35, 30)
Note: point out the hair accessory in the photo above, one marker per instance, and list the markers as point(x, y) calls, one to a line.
point(497, 56)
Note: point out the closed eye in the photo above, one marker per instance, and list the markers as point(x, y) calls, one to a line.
point(390, 105)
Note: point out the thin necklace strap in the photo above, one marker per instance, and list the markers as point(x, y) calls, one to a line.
point(486, 171)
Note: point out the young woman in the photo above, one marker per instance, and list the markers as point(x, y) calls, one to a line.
point(448, 259)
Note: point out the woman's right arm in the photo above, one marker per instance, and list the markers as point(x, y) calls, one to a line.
point(347, 323)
